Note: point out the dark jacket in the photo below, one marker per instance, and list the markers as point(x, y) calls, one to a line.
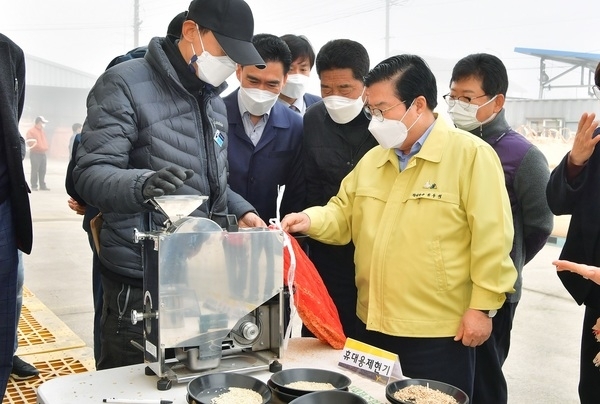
point(310, 99)
point(580, 199)
point(331, 151)
point(12, 98)
point(256, 171)
point(526, 174)
point(140, 119)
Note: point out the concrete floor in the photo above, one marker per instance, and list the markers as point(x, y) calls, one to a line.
point(542, 366)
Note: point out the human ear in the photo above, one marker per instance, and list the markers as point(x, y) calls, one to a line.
point(189, 31)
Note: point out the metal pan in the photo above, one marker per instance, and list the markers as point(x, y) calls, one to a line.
point(328, 397)
point(203, 389)
point(452, 391)
point(287, 376)
point(284, 397)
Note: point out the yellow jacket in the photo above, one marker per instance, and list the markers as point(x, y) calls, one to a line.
point(431, 241)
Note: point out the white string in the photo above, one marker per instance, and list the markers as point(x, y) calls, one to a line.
point(287, 243)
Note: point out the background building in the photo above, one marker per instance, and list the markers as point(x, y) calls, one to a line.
point(59, 94)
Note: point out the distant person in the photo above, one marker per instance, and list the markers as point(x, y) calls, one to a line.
point(294, 94)
point(476, 104)
point(430, 218)
point(573, 190)
point(89, 212)
point(76, 128)
point(130, 150)
point(15, 212)
point(336, 137)
point(37, 154)
point(265, 137)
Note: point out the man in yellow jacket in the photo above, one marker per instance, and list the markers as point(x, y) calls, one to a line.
point(430, 217)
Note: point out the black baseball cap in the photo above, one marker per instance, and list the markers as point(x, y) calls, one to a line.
point(232, 23)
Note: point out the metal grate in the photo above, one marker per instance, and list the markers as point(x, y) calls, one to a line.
point(40, 330)
point(24, 391)
point(49, 345)
point(31, 332)
point(27, 293)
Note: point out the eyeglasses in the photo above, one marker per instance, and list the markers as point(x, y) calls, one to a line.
point(462, 100)
point(378, 113)
point(596, 91)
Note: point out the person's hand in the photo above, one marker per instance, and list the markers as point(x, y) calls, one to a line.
point(296, 223)
point(74, 205)
point(587, 271)
point(251, 219)
point(165, 181)
point(475, 328)
point(584, 144)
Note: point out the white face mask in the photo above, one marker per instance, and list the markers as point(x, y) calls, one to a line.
point(257, 102)
point(213, 70)
point(295, 86)
point(391, 133)
point(342, 109)
point(466, 119)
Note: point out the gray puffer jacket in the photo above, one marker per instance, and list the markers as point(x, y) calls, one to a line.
point(141, 119)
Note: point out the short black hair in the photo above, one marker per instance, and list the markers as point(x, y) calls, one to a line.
point(300, 48)
point(271, 48)
point(597, 75)
point(485, 67)
point(344, 54)
point(411, 75)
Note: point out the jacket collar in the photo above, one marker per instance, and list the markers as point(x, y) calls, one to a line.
point(432, 149)
point(165, 56)
point(493, 129)
point(278, 116)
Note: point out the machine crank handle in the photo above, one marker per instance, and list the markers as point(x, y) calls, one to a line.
point(137, 345)
point(136, 316)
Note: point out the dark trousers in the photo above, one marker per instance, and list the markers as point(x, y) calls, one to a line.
point(8, 292)
point(441, 359)
point(589, 374)
point(98, 299)
point(38, 170)
point(117, 332)
point(490, 384)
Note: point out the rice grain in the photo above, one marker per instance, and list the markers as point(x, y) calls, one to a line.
point(310, 386)
point(237, 395)
point(416, 394)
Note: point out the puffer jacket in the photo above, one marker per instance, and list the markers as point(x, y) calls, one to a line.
point(141, 119)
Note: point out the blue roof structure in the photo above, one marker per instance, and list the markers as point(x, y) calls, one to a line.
point(589, 60)
point(574, 60)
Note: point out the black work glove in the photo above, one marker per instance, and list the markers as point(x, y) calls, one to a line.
point(165, 181)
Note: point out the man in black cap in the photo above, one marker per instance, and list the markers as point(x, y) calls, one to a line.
point(156, 125)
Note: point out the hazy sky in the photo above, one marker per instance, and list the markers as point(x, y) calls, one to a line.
point(86, 35)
